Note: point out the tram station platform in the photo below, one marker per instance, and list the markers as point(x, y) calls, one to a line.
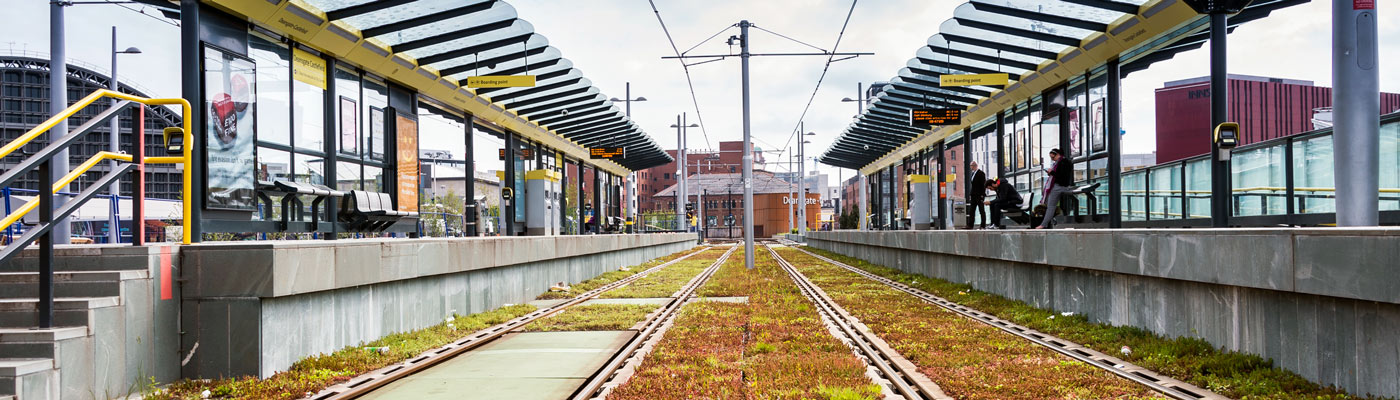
point(1320, 302)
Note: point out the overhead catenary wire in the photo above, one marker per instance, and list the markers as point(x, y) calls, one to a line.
point(825, 68)
point(689, 82)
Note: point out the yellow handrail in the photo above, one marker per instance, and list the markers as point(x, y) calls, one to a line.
point(188, 179)
point(67, 179)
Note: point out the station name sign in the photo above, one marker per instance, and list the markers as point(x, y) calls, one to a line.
point(924, 117)
point(793, 200)
point(500, 81)
point(606, 152)
point(973, 80)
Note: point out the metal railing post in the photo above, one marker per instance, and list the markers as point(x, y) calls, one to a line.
point(45, 244)
point(138, 179)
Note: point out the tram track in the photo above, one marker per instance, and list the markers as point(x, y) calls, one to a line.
point(369, 382)
point(897, 374)
point(1167, 386)
point(623, 364)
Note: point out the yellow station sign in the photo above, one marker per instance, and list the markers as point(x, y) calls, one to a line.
point(500, 81)
point(973, 80)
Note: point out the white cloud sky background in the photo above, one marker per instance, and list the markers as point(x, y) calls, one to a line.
point(620, 41)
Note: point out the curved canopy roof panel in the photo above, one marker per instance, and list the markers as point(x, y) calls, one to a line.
point(1024, 39)
point(463, 38)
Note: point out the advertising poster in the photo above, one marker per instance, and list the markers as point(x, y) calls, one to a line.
point(1096, 126)
point(349, 129)
point(1074, 142)
point(407, 161)
point(376, 133)
point(1021, 149)
point(229, 82)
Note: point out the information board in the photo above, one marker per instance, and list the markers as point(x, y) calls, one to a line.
point(924, 117)
point(606, 152)
point(407, 162)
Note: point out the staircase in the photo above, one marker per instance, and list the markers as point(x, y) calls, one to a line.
point(103, 319)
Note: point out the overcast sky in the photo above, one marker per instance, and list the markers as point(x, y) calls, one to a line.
point(620, 41)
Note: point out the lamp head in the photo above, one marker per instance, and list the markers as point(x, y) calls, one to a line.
point(848, 99)
point(640, 98)
point(130, 50)
point(615, 100)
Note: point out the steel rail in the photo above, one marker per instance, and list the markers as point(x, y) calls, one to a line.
point(1168, 386)
point(903, 376)
point(368, 382)
point(607, 378)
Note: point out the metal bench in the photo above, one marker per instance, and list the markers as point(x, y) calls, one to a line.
point(370, 211)
point(1069, 205)
point(292, 206)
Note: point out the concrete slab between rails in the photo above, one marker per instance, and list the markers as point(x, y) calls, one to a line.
point(638, 301)
point(533, 365)
point(545, 303)
point(737, 299)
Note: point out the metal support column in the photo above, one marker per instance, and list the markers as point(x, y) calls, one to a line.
point(469, 191)
point(969, 208)
point(114, 231)
point(1355, 112)
point(331, 140)
point(999, 156)
point(508, 182)
point(1219, 112)
point(680, 174)
point(190, 90)
point(1115, 145)
point(58, 100)
point(748, 146)
point(862, 203)
point(940, 189)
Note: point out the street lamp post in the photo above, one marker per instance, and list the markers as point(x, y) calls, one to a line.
point(802, 177)
point(631, 177)
point(680, 175)
point(114, 234)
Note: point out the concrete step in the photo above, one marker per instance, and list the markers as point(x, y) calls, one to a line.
point(28, 378)
point(67, 284)
point(84, 257)
point(74, 311)
point(36, 343)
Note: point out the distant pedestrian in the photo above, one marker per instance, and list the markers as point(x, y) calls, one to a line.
point(1061, 183)
point(976, 195)
point(1007, 200)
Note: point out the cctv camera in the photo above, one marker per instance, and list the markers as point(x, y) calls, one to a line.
point(867, 147)
point(564, 112)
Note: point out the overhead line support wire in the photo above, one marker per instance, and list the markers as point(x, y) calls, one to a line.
point(689, 82)
point(825, 68)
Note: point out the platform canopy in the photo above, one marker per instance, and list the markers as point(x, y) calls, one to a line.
point(1025, 39)
point(435, 45)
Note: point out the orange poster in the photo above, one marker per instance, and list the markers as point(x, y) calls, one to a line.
point(407, 163)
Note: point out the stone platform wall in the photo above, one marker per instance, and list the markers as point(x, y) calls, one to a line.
point(1324, 303)
point(254, 308)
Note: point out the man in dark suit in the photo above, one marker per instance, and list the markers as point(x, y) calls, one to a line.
point(976, 195)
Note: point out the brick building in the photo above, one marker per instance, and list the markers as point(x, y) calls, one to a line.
point(1265, 108)
point(729, 159)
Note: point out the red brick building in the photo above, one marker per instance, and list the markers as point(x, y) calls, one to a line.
point(729, 159)
point(1265, 108)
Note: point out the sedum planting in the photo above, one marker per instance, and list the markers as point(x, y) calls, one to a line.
point(968, 359)
point(774, 346)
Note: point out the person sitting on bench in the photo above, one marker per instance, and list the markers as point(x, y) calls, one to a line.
point(1007, 200)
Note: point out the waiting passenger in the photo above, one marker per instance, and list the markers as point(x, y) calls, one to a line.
point(590, 222)
point(1061, 183)
point(1007, 200)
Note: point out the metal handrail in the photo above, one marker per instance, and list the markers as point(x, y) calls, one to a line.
point(187, 177)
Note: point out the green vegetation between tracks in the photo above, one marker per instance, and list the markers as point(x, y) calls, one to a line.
point(774, 346)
